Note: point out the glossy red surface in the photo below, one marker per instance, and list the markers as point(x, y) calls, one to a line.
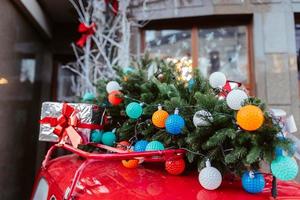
point(110, 180)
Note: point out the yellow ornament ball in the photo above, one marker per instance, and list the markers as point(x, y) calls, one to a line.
point(159, 117)
point(250, 118)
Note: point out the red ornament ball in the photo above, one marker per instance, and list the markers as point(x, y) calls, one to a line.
point(175, 166)
point(114, 98)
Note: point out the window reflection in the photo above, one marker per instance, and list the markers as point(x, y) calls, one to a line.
point(224, 49)
point(66, 85)
point(27, 70)
point(168, 43)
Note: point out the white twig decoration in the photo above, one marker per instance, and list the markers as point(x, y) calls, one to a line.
point(108, 47)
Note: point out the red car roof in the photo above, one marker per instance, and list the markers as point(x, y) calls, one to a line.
point(110, 180)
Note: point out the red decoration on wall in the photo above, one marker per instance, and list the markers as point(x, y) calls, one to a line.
point(114, 4)
point(86, 32)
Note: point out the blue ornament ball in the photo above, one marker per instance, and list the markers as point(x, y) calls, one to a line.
point(134, 110)
point(284, 168)
point(96, 136)
point(174, 124)
point(109, 138)
point(253, 184)
point(140, 145)
point(88, 96)
point(278, 151)
point(154, 146)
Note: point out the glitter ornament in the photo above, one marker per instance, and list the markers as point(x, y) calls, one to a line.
point(131, 164)
point(112, 86)
point(209, 177)
point(96, 136)
point(109, 138)
point(134, 110)
point(250, 118)
point(284, 168)
point(202, 118)
point(154, 146)
point(235, 99)
point(159, 117)
point(140, 145)
point(88, 96)
point(174, 123)
point(217, 80)
point(114, 98)
point(175, 166)
point(253, 182)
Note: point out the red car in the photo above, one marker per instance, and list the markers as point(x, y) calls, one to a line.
point(89, 176)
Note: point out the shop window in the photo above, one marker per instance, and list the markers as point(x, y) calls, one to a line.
point(168, 43)
point(225, 48)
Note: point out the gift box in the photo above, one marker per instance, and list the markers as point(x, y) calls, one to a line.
point(70, 122)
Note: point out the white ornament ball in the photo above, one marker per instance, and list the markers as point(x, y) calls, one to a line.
point(112, 86)
point(209, 177)
point(235, 98)
point(217, 80)
point(202, 118)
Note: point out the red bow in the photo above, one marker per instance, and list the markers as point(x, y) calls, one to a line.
point(65, 124)
point(230, 85)
point(86, 31)
point(115, 5)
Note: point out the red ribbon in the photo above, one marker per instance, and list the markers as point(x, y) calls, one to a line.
point(86, 31)
point(115, 5)
point(228, 87)
point(65, 125)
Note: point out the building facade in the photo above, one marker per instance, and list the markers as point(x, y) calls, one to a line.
point(255, 42)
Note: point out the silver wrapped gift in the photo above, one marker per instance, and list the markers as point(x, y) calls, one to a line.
point(85, 113)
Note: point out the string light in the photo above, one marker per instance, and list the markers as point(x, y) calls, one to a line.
point(183, 67)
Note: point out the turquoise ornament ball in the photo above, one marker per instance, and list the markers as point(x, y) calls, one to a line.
point(154, 146)
point(88, 96)
point(253, 184)
point(134, 110)
point(174, 124)
point(191, 84)
point(284, 168)
point(140, 146)
point(109, 138)
point(96, 136)
point(127, 70)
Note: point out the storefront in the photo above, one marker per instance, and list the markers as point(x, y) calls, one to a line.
point(253, 42)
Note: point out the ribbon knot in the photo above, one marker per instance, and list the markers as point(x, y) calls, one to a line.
point(86, 31)
point(66, 124)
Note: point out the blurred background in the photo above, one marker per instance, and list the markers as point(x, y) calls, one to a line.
point(255, 42)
